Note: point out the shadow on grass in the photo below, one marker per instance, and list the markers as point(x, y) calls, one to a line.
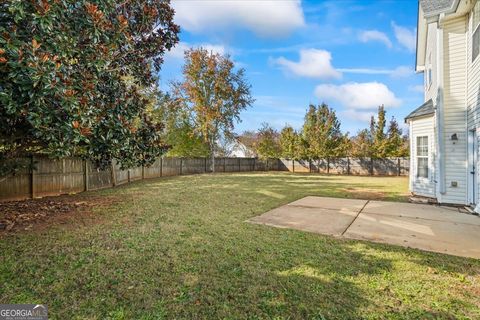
point(178, 248)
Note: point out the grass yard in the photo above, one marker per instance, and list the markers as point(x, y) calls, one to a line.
point(179, 248)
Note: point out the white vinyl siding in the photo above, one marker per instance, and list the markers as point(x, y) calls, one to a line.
point(422, 127)
point(455, 57)
point(430, 53)
point(475, 32)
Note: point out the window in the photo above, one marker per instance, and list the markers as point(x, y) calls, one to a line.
point(422, 157)
point(476, 31)
point(428, 74)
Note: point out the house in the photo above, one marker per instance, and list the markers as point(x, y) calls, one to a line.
point(233, 148)
point(239, 150)
point(445, 129)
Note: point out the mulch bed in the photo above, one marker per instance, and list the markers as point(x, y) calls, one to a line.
point(33, 214)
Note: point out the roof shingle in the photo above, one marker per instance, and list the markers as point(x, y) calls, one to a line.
point(436, 6)
point(424, 110)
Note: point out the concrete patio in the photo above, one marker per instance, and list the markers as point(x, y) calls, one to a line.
point(426, 227)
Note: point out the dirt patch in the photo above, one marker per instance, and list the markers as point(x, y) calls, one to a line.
point(38, 214)
point(367, 194)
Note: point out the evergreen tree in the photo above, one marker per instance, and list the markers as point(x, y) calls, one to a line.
point(376, 142)
point(289, 143)
point(362, 144)
point(322, 134)
point(378, 134)
point(395, 146)
point(73, 75)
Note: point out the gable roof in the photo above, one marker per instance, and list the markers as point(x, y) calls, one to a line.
point(432, 7)
point(425, 109)
point(429, 11)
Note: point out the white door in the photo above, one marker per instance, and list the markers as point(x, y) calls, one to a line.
point(472, 166)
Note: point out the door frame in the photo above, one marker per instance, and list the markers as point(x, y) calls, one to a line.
point(472, 171)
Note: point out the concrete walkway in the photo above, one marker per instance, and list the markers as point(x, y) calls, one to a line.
point(425, 227)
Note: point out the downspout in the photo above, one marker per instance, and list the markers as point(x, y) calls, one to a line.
point(439, 112)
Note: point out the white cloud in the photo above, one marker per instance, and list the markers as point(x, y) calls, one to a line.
point(358, 96)
point(317, 63)
point(402, 71)
point(358, 115)
point(405, 36)
point(266, 18)
point(178, 52)
point(375, 35)
point(398, 72)
point(313, 63)
point(418, 88)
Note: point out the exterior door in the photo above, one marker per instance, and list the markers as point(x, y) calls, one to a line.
point(472, 166)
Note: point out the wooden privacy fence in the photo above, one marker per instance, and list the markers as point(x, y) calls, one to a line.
point(72, 175)
point(349, 166)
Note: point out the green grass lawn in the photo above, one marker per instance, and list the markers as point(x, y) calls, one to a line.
point(179, 248)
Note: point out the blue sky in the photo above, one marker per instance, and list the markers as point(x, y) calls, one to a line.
point(352, 55)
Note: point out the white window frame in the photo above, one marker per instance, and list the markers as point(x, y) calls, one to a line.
point(427, 178)
point(474, 29)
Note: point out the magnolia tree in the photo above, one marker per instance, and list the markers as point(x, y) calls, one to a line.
point(73, 75)
point(214, 92)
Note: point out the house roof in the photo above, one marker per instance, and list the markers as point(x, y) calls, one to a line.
point(425, 109)
point(432, 7)
point(429, 11)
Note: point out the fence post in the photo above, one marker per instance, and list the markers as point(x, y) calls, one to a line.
point(293, 165)
point(239, 165)
point(114, 177)
point(161, 166)
point(328, 165)
point(143, 172)
point(32, 177)
point(348, 166)
point(128, 175)
point(398, 167)
point(371, 166)
point(254, 164)
point(205, 165)
point(181, 166)
point(310, 166)
point(85, 174)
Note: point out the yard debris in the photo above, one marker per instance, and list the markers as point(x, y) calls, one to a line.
point(422, 200)
point(29, 214)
